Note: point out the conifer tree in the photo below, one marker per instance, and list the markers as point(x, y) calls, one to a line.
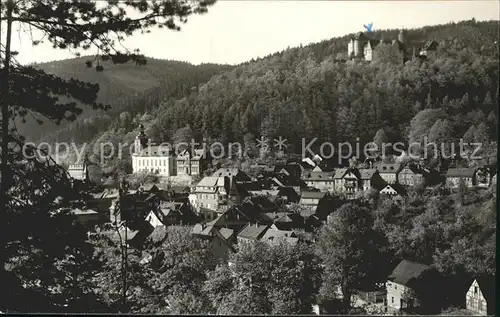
point(29, 186)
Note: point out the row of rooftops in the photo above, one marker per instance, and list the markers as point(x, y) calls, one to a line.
point(392, 168)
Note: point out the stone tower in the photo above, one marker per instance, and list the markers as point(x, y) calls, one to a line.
point(402, 36)
point(141, 140)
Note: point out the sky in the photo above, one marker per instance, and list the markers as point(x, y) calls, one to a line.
point(237, 31)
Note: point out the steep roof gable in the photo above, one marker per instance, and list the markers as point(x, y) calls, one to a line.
point(407, 271)
point(487, 286)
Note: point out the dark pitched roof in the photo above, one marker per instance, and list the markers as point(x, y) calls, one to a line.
point(367, 173)
point(407, 271)
point(339, 173)
point(431, 45)
point(287, 191)
point(231, 172)
point(460, 172)
point(360, 36)
point(290, 217)
point(412, 167)
point(262, 202)
point(318, 176)
point(253, 231)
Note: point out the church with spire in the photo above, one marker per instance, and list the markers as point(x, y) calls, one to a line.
point(362, 47)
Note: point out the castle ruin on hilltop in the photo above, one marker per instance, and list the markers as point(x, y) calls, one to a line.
point(362, 47)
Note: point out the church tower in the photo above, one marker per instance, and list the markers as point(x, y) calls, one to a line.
point(402, 36)
point(141, 140)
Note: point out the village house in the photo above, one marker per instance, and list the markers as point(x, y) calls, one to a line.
point(293, 170)
point(290, 221)
point(79, 172)
point(151, 158)
point(221, 247)
point(155, 218)
point(212, 193)
point(282, 180)
point(263, 192)
point(273, 236)
point(370, 178)
point(288, 194)
point(480, 298)
point(389, 172)
point(233, 173)
point(132, 207)
point(101, 202)
point(86, 217)
point(262, 203)
point(483, 177)
point(251, 233)
point(135, 234)
point(310, 200)
point(320, 180)
point(455, 175)
point(190, 162)
point(410, 175)
point(408, 282)
point(150, 188)
point(171, 213)
point(351, 181)
point(236, 217)
point(394, 191)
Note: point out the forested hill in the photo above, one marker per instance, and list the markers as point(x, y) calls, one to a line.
point(125, 87)
point(312, 92)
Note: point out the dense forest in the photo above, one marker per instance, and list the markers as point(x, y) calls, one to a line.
point(124, 87)
point(329, 98)
point(337, 100)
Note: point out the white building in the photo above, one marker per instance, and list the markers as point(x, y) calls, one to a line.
point(150, 158)
point(78, 171)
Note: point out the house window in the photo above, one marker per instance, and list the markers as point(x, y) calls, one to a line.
point(475, 290)
point(395, 286)
point(392, 300)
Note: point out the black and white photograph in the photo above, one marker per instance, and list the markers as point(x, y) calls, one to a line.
point(236, 157)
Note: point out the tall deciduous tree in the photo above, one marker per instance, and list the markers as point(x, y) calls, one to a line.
point(266, 279)
point(346, 246)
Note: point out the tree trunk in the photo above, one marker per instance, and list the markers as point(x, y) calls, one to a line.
point(4, 169)
point(346, 298)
